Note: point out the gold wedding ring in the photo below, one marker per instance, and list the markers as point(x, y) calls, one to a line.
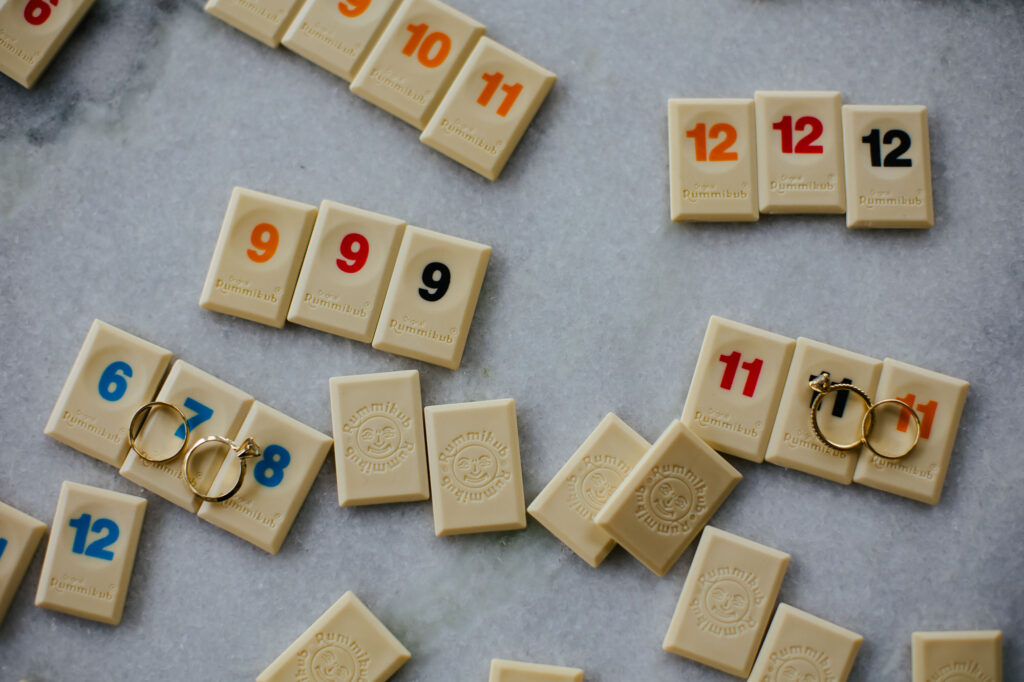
point(139, 420)
point(248, 448)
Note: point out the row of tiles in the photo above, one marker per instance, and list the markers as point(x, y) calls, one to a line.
point(750, 398)
point(346, 271)
point(725, 606)
point(799, 152)
point(420, 60)
point(33, 31)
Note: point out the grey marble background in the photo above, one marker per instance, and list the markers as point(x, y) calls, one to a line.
point(114, 176)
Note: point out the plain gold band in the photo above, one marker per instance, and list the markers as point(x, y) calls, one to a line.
point(866, 425)
point(139, 420)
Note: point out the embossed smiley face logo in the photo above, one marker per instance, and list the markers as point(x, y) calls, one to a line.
point(598, 485)
point(334, 664)
point(670, 498)
point(474, 466)
point(728, 601)
point(798, 670)
point(379, 436)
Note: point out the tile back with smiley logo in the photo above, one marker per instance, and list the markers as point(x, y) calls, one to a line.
point(379, 446)
point(475, 473)
point(727, 601)
point(570, 501)
point(348, 642)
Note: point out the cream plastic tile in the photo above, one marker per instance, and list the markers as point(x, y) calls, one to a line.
point(800, 152)
point(416, 58)
point(736, 387)
point(939, 401)
point(958, 656)
point(346, 271)
point(19, 537)
point(712, 160)
point(726, 602)
point(514, 671)
point(380, 454)
point(91, 552)
point(337, 36)
point(32, 32)
point(275, 485)
point(346, 643)
point(667, 498)
point(888, 166)
point(264, 20)
point(475, 473)
point(114, 374)
point(488, 108)
point(800, 646)
point(432, 296)
point(212, 407)
point(570, 501)
point(256, 261)
point(793, 443)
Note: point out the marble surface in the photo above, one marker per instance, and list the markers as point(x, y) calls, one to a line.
point(114, 176)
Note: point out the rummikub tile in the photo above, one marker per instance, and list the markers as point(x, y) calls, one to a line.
point(114, 375)
point(570, 501)
point(416, 58)
point(256, 261)
point(346, 271)
point(488, 108)
point(379, 444)
point(91, 552)
point(736, 387)
point(275, 484)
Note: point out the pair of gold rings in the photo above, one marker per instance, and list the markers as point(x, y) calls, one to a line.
point(243, 451)
point(822, 385)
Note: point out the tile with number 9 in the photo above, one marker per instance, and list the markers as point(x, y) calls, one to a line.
point(888, 166)
point(337, 36)
point(800, 152)
point(793, 443)
point(416, 58)
point(31, 33)
point(114, 374)
point(938, 401)
point(212, 408)
point(19, 537)
point(712, 160)
point(346, 271)
point(275, 484)
point(432, 297)
point(488, 108)
point(736, 387)
point(256, 261)
point(91, 552)
point(264, 20)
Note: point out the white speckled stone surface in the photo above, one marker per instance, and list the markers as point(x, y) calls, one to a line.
point(114, 175)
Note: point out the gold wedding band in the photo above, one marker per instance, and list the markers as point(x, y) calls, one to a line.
point(866, 425)
point(139, 420)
